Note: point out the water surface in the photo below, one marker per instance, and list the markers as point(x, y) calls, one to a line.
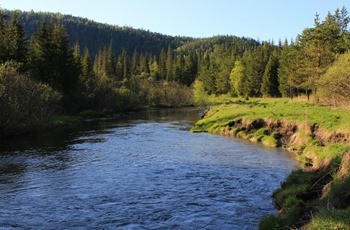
point(141, 171)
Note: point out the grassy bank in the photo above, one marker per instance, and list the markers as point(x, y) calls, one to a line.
point(316, 197)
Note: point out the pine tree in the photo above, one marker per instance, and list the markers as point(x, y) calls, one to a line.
point(269, 86)
point(179, 68)
point(154, 69)
point(51, 61)
point(77, 57)
point(144, 67)
point(191, 69)
point(119, 69)
point(88, 81)
point(110, 64)
point(17, 41)
point(169, 65)
point(162, 65)
point(2, 38)
point(64, 69)
point(135, 62)
point(126, 66)
point(319, 47)
point(41, 56)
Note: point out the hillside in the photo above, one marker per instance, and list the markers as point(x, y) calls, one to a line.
point(237, 44)
point(96, 35)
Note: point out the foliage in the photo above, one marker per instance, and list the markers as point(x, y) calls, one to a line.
point(330, 119)
point(334, 86)
point(199, 94)
point(93, 35)
point(24, 104)
point(237, 79)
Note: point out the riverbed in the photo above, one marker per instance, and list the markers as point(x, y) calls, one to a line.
point(142, 170)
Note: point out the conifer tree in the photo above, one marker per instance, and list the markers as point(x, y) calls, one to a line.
point(162, 65)
point(269, 86)
point(17, 41)
point(135, 63)
point(154, 69)
point(126, 66)
point(179, 67)
point(41, 56)
point(169, 65)
point(110, 63)
point(119, 69)
point(2, 38)
point(144, 67)
point(64, 69)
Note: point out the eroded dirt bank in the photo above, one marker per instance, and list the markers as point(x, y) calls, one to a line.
point(316, 197)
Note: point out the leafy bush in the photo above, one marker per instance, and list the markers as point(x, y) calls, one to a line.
point(24, 104)
point(335, 84)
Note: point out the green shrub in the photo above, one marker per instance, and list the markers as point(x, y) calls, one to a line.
point(24, 103)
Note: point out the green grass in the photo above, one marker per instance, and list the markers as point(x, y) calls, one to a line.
point(330, 220)
point(63, 121)
point(331, 119)
point(304, 191)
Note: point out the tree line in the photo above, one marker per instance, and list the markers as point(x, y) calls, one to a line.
point(64, 77)
point(46, 75)
point(94, 35)
point(299, 67)
point(309, 65)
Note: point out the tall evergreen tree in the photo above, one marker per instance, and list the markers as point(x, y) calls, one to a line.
point(144, 67)
point(41, 56)
point(169, 65)
point(269, 86)
point(126, 66)
point(2, 38)
point(179, 67)
point(64, 67)
point(17, 41)
point(162, 65)
point(135, 63)
point(319, 47)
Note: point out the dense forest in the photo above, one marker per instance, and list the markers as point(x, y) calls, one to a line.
point(53, 63)
point(93, 35)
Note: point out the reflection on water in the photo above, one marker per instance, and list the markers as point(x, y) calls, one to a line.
point(140, 171)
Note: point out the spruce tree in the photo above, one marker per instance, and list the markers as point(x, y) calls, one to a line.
point(41, 56)
point(269, 86)
point(179, 68)
point(162, 65)
point(64, 68)
point(169, 65)
point(17, 41)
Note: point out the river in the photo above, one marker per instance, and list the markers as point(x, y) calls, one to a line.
point(140, 171)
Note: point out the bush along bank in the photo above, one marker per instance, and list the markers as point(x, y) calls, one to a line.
point(317, 196)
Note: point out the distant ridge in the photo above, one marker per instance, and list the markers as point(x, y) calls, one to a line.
point(95, 35)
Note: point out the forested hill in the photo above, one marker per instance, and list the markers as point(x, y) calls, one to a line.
point(237, 44)
point(95, 35)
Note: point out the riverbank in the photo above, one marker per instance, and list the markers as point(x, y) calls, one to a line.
point(316, 197)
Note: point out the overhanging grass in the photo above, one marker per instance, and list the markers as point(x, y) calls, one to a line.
point(314, 140)
point(331, 220)
point(63, 121)
point(330, 119)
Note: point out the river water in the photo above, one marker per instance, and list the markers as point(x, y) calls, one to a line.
point(141, 171)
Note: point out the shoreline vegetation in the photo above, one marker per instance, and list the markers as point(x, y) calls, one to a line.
point(53, 73)
point(316, 196)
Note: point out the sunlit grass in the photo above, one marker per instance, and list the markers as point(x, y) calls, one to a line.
point(330, 119)
point(327, 182)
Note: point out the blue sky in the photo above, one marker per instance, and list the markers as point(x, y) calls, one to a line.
point(263, 19)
